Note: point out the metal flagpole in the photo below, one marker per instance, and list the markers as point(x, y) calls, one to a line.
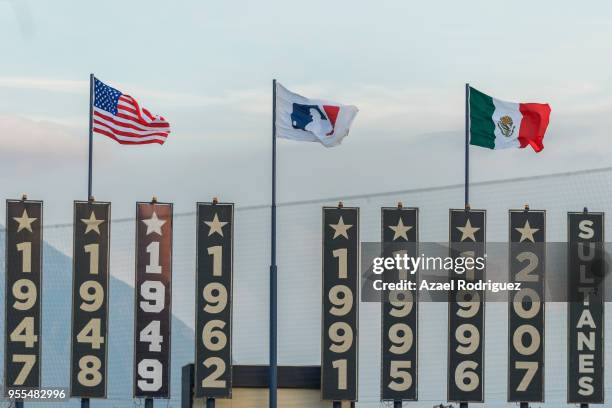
point(467, 145)
point(467, 166)
point(91, 102)
point(273, 275)
point(85, 401)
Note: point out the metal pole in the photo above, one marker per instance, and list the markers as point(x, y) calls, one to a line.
point(337, 404)
point(18, 404)
point(84, 402)
point(397, 404)
point(467, 144)
point(210, 403)
point(148, 403)
point(273, 271)
point(463, 405)
point(524, 405)
point(584, 405)
point(91, 102)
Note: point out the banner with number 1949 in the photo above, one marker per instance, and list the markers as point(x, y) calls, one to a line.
point(153, 300)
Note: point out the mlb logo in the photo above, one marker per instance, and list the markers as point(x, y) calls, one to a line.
point(314, 118)
point(311, 120)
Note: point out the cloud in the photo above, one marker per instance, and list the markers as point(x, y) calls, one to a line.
point(45, 84)
point(26, 140)
point(398, 111)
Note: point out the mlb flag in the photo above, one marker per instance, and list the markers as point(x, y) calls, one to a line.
point(311, 120)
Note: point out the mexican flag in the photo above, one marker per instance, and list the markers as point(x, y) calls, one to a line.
point(498, 124)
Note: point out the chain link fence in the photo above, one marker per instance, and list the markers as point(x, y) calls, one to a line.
point(299, 266)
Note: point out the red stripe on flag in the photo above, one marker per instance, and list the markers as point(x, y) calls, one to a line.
point(534, 124)
point(126, 142)
point(130, 134)
point(147, 124)
point(130, 123)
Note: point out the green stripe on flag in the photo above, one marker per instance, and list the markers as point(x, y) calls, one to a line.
point(482, 128)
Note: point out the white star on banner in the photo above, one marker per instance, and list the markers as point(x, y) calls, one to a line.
point(340, 228)
point(527, 232)
point(154, 224)
point(400, 230)
point(25, 222)
point(468, 231)
point(215, 225)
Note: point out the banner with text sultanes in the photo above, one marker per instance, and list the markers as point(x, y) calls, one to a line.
point(585, 308)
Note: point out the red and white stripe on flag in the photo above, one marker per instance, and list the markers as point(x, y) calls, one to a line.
point(121, 118)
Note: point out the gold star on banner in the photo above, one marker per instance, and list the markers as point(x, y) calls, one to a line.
point(92, 224)
point(25, 222)
point(215, 226)
point(340, 228)
point(468, 231)
point(400, 230)
point(154, 224)
point(527, 232)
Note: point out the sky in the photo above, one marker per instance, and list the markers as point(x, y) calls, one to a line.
point(207, 67)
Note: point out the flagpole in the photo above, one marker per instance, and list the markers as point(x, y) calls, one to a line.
point(85, 401)
point(467, 145)
point(273, 271)
point(91, 102)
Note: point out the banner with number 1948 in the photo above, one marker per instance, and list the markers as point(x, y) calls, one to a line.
point(89, 340)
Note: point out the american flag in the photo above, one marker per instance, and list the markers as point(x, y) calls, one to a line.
point(119, 117)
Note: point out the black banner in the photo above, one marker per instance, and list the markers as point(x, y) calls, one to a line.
point(586, 271)
point(213, 334)
point(467, 235)
point(399, 340)
point(340, 304)
point(527, 235)
point(23, 295)
point(90, 274)
point(153, 300)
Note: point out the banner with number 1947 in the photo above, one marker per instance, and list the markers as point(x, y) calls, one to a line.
point(22, 336)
